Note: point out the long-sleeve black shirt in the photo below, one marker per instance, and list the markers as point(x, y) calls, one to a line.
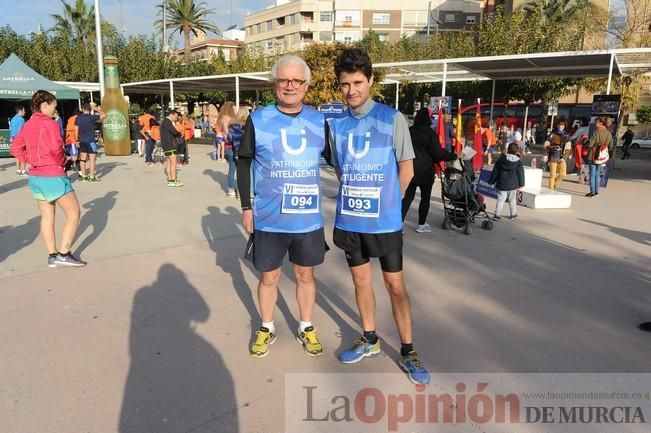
point(167, 134)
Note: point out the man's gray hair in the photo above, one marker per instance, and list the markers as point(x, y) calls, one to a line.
point(291, 59)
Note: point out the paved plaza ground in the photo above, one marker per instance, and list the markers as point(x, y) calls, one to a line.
point(153, 335)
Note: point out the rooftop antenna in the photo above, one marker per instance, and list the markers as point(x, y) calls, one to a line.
point(39, 30)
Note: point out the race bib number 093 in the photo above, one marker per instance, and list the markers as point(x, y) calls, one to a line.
point(360, 201)
point(300, 198)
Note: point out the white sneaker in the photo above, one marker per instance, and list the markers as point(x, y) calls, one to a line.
point(230, 193)
point(424, 228)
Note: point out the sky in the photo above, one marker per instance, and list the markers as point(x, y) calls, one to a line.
point(137, 16)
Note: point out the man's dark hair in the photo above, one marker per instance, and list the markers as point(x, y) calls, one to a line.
point(513, 148)
point(422, 117)
point(86, 107)
point(354, 60)
point(169, 112)
point(19, 108)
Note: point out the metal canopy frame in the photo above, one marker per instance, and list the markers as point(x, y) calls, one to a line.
point(227, 82)
point(567, 64)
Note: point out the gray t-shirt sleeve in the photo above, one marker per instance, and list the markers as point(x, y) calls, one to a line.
point(334, 161)
point(402, 139)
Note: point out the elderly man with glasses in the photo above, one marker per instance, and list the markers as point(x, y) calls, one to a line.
point(283, 143)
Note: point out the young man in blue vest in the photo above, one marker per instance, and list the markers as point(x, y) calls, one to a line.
point(372, 152)
point(15, 125)
point(283, 142)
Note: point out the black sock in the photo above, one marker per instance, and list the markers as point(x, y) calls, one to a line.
point(405, 348)
point(371, 336)
point(53, 254)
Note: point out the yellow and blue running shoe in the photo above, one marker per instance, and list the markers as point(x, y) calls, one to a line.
point(411, 365)
point(263, 339)
point(360, 350)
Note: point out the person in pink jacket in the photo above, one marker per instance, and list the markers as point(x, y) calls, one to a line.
point(39, 143)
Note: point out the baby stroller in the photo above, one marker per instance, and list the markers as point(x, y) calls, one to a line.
point(461, 204)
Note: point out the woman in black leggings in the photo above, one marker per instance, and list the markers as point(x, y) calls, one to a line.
point(428, 153)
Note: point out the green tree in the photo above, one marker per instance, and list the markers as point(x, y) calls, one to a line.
point(12, 42)
point(77, 22)
point(75, 29)
point(634, 31)
point(557, 12)
point(186, 17)
point(643, 114)
point(321, 57)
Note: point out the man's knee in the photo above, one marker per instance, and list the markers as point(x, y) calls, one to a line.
point(270, 278)
point(396, 288)
point(304, 275)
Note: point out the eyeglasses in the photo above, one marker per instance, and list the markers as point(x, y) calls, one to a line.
point(284, 82)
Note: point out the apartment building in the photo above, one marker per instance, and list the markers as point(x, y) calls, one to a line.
point(204, 49)
point(290, 25)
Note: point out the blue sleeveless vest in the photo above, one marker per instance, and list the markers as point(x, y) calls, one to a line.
point(286, 170)
point(369, 191)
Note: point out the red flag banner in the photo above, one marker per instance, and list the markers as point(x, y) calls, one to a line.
point(457, 147)
point(478, 159)
point(440, 127)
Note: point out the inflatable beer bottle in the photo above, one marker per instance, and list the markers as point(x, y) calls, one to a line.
point(115, 126)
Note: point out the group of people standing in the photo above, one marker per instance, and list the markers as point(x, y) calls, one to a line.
point(274, 156)
point(78, 136)
point(371, 150)
point(593, 149)
point(228, 129)
point(146, 131)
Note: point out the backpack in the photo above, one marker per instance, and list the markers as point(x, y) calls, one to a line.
point(583, 141)
point(235, 132)
point(601, 155)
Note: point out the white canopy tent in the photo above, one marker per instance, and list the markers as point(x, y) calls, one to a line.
point(228, 82)
point(568, 64)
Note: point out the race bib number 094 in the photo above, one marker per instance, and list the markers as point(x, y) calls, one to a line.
point(360, 201)
point(300, 198)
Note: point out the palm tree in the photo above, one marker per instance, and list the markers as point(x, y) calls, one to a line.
point(77, 26)
point(185, 17)
point(558, 11)
point(586, 17)
point(77, 22)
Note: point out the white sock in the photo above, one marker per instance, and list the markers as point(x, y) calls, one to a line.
point(270, 326)
point(303, 325)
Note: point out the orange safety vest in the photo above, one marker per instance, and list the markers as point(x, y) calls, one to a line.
point(144, 122)
point(154, 132)
point(188, 132)
point(71, 130)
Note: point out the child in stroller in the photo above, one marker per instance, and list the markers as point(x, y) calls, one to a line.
point(461, 204)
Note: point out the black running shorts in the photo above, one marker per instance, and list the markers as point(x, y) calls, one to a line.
point(305, 249)
point(170, 153)
point(360, 247)
point(87, 147)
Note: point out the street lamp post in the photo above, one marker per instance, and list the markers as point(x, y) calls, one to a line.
point(100, 51)
point(166, 48)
